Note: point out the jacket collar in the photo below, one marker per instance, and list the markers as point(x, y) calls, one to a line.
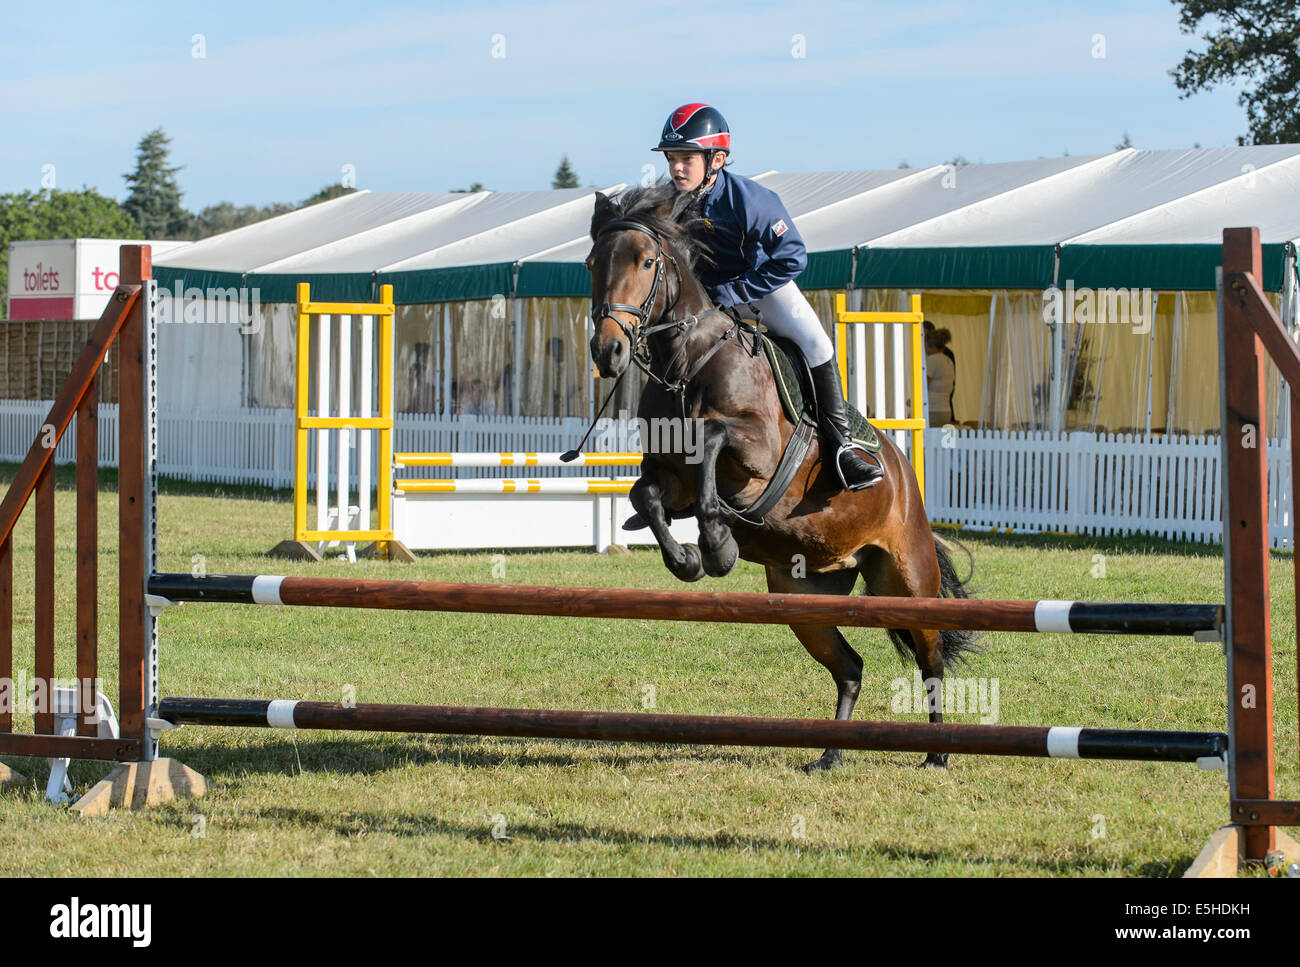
point(716, 190)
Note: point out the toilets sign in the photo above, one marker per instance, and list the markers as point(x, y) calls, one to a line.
point(42, 280)
point(66, 279)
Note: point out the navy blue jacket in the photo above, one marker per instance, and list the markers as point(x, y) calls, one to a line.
point(755, 244)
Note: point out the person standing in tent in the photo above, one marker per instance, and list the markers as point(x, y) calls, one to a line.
point(757, 254)
point(940, 374)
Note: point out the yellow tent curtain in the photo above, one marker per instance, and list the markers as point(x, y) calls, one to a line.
point(459, 359)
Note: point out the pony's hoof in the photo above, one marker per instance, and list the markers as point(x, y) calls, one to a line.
point(635, 523)
point(829, 760)
point(691, 567)
point(718, 563)
point(935, 761)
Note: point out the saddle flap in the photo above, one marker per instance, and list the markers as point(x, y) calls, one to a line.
point(794, 386)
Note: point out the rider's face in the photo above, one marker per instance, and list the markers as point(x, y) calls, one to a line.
point(686, 168)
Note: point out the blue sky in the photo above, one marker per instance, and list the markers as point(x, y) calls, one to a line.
point(415, 97)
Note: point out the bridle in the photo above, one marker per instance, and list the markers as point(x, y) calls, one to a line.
point(638, 335)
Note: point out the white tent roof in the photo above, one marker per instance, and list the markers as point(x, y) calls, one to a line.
point(337, 221)
point(1113, 187)
point(985, 226)
point(923, 194)
point(1251, 198)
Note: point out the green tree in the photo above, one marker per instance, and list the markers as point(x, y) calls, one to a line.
point(1252, 41)
point(565, 176)
point(477, 186)
point(226, 216)
point(155, 199)
point(328, 193)
point(32, 216)
point(1125, 142)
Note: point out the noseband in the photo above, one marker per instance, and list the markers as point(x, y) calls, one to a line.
point(642, 312)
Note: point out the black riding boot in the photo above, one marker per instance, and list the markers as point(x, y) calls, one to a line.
point(854, 470)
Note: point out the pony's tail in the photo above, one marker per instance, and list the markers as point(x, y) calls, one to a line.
point(956, 645)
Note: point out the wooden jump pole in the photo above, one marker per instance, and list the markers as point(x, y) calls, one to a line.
point(1017, 740)
point(728, 607)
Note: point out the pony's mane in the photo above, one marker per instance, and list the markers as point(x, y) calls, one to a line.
point(674, 215)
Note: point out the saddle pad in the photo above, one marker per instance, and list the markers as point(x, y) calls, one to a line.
point(794, 386)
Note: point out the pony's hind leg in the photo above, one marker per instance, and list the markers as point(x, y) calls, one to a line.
point(915, 577)
point(827, 645)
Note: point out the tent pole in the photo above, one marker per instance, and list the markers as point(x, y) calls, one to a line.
point(1151, 357)
point(985, 392)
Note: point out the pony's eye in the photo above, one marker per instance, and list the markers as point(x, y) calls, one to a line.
point(648, 262)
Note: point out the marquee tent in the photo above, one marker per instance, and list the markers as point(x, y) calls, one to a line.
point(493, 283)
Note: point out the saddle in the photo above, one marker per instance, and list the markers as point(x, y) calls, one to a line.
point(794, 386)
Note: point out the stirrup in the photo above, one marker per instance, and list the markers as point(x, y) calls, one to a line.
point(880, 471)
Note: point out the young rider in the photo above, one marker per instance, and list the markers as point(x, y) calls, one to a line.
point(757, 254)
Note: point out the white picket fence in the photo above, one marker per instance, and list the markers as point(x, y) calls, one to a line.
point(1080, 483)
point(255, 446)
point(1086, 483)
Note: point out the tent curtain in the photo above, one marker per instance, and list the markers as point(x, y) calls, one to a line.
point(272, 355)
point(556, 367)
point(459, 359)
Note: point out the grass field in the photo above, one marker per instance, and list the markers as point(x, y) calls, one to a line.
point(337, 804)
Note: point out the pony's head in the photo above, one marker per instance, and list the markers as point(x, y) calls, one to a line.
point(645, 242)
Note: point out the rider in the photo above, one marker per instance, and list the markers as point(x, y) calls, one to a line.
point(757, 254)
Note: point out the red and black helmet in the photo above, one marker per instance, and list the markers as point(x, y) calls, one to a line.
point(695, 127)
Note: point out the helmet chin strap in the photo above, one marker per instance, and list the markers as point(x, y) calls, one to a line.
point(709, 174)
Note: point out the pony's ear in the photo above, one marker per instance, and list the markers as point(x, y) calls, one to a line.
point(603, 211)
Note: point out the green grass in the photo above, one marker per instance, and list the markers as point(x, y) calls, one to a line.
point(339, 804)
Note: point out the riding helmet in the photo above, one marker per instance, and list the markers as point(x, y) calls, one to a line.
point(695, 127)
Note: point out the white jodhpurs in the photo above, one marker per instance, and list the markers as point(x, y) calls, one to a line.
point(787, 313)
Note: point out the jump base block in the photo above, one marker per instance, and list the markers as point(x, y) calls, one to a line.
point(135, 785)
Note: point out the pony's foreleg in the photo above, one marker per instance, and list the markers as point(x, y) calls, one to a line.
point(683, 560)
point(717, 545)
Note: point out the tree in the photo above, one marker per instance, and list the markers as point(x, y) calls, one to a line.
point(1125, 143)
point(904, 164)
point(565, 176)
point(155, 199)
point(227, 216)
point(328, 193)
point(1255, 41)
point(32, 216)
point(958, 162)
point(477, 186)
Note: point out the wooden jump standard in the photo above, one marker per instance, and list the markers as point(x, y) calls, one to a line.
point(1022, 740)
point(1084, 617)
point(1248, 327)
